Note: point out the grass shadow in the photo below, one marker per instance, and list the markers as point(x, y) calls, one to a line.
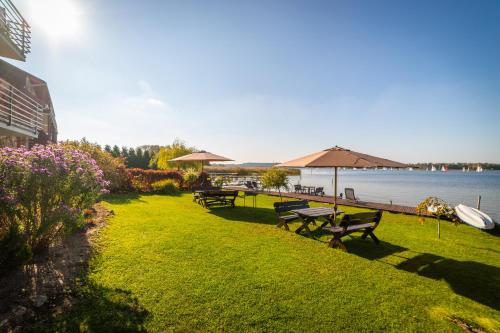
point(122, 198)
point(75, 303)
point(245, 214)
point(99, 309)
point(494, 232)
point(476, 281)
point(367, 249)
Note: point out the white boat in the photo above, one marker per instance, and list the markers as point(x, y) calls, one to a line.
point(433, 168)
point(410, 169)
point(463, 169)
point(479, 169)
point(474, 217)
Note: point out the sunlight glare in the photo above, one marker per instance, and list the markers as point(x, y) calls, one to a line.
point(59, 20)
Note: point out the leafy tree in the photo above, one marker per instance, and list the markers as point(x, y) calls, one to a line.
point(107, 148)
point(176, 149)
point(151, 148)
point(116, 151)
point(124, 152)
point(275, 179)
point(145, 159)
point(131, 158)
point(138, 158)
point(153, 161)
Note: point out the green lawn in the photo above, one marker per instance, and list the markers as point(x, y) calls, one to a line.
point(167, 264)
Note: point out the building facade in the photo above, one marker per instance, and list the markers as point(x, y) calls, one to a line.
point(26, 112)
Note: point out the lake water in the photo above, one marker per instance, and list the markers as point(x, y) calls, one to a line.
point(411, 187)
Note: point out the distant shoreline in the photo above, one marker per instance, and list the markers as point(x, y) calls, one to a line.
point(419, 166)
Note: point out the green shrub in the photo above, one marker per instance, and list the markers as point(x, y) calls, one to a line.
point(275, 179)
point(166, 186)
point(190, 177)
point(219, 181)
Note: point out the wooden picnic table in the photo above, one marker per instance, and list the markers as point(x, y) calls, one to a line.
point(211, 198)
point(310, 215)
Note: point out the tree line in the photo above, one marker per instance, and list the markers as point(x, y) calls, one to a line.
point(154, 156)
point(133, 157)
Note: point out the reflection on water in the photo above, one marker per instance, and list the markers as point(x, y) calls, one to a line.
point(411, 187)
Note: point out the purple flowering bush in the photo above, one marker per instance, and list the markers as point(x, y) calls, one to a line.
point(43, 192)
point(113, 168)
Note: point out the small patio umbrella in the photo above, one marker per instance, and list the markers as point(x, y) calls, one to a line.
point(201, 156)
point(338, 157)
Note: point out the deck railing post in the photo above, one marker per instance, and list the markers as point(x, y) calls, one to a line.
point(23, 37)
point(10, 106)
point(479, 202)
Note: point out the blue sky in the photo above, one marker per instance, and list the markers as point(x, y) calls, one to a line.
point(275, 80)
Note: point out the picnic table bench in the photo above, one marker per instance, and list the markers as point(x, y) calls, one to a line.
point(285, 214)
point(213, 198)
point(350, 223)
point(300, 210)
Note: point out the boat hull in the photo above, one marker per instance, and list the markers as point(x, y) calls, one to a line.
point(474, 217)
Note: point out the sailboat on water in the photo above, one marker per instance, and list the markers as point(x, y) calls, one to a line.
point(444, 168)
point(433, 168)
point(479, 168)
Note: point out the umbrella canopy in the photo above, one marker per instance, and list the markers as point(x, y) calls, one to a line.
point(340, 157)
point(201, 156)
point(337, 157)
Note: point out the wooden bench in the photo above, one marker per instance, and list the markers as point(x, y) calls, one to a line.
point(350, 223)
point(283, 210)
point(213, 198)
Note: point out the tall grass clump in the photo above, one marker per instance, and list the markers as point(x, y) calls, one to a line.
point(166, 186)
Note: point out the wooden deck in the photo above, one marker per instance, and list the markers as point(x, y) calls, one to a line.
point(361, 204)
point(329, 199)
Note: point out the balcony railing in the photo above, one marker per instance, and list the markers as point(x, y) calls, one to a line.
point(15, 27)
point(18, 111)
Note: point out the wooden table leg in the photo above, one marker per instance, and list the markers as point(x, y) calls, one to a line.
point(304, 226)
point(329, 220)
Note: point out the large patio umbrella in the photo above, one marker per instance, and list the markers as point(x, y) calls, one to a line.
point(338, 157)
point(201, 156)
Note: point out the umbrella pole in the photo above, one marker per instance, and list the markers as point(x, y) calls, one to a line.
point(335, 193)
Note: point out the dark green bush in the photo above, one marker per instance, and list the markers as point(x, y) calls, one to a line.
point(13, 248)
